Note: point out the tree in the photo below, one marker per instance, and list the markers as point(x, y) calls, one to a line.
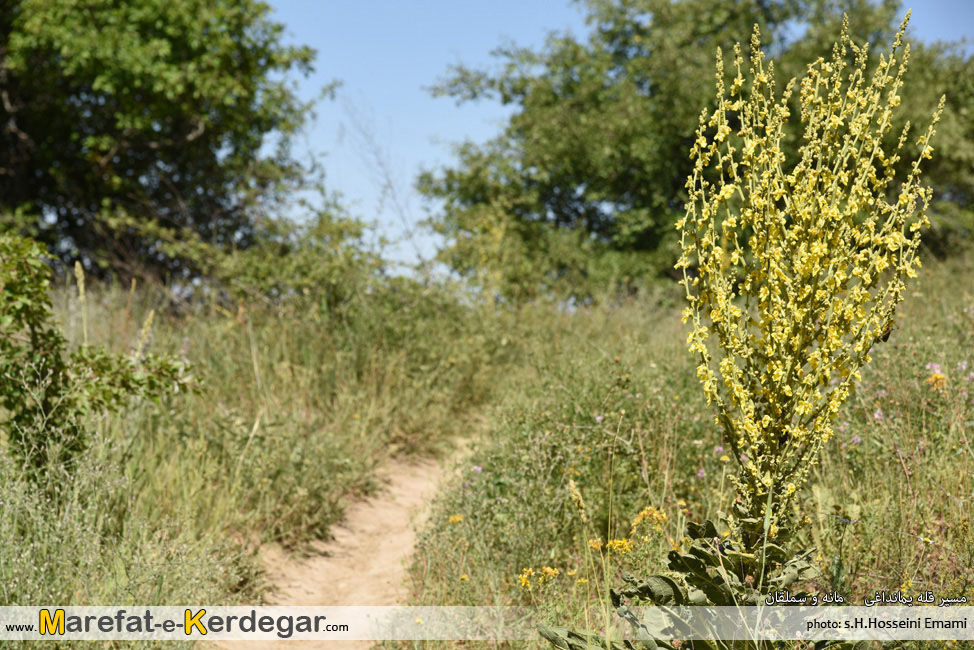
point(587, 178)
point(124, 119)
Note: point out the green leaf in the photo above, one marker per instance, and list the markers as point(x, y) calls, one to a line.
point(705, 555)
point(660, 589)
point(706, 530)
point(686, 564)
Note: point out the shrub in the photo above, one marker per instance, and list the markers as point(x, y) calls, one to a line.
point(46, 391)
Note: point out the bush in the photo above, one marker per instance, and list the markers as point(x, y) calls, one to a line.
point(46, 391)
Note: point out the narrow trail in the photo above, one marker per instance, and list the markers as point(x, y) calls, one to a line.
point(365, 562)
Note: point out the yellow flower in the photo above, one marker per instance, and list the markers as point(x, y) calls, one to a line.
point(812, 247)
point(464, 577)
point(456, 519)
point(595, 544)
point(651, 514)
point(937, 381)
point(621, 546)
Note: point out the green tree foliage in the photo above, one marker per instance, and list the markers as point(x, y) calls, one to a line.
point(122, 119)
point(587, 178)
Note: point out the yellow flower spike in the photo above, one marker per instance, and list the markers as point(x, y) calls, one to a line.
point(793, 267)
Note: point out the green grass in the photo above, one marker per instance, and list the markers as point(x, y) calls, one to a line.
point(299, 405)
point(296, 407)
point(614, 406)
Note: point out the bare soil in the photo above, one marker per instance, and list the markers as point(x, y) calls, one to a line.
point(365, 562)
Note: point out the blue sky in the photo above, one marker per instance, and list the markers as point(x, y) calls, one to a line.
point(384, 126)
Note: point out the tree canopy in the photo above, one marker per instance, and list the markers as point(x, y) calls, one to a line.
point(121, 120)
point(587, 177)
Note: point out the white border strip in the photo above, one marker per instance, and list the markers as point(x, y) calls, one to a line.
point(171, 623)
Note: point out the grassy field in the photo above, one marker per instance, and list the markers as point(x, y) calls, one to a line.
point(295, 409)
point(298, 406)
point(612, 404)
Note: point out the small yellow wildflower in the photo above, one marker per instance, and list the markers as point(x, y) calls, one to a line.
point(937, 381)
point(621, 546)
point(595, 544)
point(456, 519)
point(464, 577)
point(651, 514)
point(581, 581)
point(525, 577)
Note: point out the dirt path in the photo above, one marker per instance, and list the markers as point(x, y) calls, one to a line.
point(365, 563)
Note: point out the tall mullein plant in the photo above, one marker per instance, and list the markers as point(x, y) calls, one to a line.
point(793, 270)
point(792, 273)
